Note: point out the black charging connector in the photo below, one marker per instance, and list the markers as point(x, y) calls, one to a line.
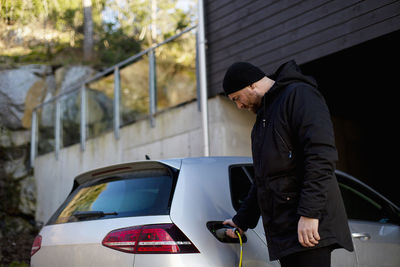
point(218, 229)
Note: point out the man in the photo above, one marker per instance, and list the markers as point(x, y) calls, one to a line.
point(295, 189)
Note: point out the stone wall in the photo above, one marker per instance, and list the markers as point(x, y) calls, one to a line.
point(17, 196)
point(20, 91)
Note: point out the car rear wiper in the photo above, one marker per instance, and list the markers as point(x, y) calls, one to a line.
point(93, 213)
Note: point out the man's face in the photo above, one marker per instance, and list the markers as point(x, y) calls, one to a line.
point(246, 98)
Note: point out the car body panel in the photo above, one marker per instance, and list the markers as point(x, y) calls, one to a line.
point(181, 260)
point(203, 189)
point(382, 248)
point(80, 243)
point(343, 258)
point(174, 163)
point(202, 194)
point(376, 243)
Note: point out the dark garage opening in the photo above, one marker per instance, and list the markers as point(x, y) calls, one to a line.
point(361, 87)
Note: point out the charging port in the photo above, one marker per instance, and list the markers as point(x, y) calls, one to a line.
point(218, 230)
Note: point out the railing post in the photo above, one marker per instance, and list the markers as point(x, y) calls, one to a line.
point(33, 137)
point(83, 118)
point(198, 93)
point(57, 133)
point(152, 87)
point(117, 89)
point(203, 76)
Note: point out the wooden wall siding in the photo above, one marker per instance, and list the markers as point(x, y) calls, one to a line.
point(268, 33)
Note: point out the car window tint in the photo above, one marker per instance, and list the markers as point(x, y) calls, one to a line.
point(240, 178)
point(124, 196)
point(363, 204)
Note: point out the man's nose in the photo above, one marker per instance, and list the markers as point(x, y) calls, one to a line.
point(239, 105)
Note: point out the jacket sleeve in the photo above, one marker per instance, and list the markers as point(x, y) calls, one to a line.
point(249, 212)
point(313, 130)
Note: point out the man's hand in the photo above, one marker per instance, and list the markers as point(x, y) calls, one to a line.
point(229, 232)
point(307, 231)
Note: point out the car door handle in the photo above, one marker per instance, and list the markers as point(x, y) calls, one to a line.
point(361, 236)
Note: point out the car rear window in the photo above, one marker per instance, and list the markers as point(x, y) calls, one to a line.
point(118, 196)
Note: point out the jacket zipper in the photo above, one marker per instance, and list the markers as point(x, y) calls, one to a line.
point(284, 142)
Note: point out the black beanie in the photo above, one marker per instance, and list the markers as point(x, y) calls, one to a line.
point(239, 75)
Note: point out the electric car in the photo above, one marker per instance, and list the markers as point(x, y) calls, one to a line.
point(169, 213)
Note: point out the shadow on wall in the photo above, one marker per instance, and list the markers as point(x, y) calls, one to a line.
point(360, 84)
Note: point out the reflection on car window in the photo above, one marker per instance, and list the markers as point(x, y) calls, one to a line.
point(359, 206)
point(363, 204)
point(240, 177)
point(119, 197)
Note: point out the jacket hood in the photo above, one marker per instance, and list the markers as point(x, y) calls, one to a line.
point(290, 72)
point(286, 74)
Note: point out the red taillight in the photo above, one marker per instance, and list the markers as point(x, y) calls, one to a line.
point(150, 239)
point(37, 243)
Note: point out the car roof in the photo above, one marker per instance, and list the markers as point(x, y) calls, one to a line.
point(154, 165)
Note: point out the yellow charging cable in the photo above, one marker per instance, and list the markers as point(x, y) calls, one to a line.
point(241, 246)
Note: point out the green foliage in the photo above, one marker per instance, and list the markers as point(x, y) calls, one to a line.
point(115, 46)
point(11, 10)
point(18, 264)
point(133, 26)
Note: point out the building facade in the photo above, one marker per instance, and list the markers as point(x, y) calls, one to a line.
point(350, 47)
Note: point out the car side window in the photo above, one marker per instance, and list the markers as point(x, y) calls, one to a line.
point(240, 178)
point(363, 204)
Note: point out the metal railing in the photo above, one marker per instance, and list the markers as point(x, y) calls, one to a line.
point(81, 89)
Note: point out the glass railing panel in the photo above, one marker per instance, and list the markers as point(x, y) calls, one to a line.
point(70, 113)
point(134, 94)
point(175, 68)
point(99, 106)
point(46, 128)
point(176, 71)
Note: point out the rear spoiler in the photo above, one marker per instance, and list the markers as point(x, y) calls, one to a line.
point(141, 168)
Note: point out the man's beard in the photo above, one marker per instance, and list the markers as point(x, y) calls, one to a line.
point(254, 108)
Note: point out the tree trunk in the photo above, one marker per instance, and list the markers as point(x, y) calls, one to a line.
point(87, 30)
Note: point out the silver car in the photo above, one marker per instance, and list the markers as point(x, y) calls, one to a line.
point(169, 213)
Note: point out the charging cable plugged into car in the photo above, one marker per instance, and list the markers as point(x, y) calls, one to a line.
point(218, 229)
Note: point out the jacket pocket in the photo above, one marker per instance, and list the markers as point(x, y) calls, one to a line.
point(283, 184)
point(286, 145)
point(284, 212)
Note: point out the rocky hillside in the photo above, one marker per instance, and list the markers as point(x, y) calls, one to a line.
point(20, 91)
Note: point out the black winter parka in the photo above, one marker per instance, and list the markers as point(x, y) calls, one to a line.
point(294, 157)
